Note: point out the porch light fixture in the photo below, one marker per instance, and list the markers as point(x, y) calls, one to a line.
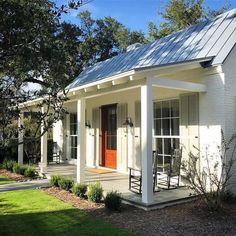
point(87, 124)
point(128, 122)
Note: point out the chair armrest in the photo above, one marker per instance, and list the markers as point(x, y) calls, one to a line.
point(132, 171)
point(130, 168)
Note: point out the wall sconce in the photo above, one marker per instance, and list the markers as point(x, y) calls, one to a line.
point(87, 124)
point(128, 122)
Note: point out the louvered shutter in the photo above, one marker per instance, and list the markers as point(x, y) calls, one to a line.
point(122, 113)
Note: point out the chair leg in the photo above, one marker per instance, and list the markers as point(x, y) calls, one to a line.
point(129, 179)
point(168, 181)
point(178, 180)
point(154, 183)
point(140, 186)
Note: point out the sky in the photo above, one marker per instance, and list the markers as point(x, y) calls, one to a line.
point(134, 14)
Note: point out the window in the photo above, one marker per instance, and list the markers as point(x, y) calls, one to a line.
point(73, 135)
point(166, 129)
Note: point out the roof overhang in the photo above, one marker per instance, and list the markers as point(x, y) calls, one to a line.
point(129, 76)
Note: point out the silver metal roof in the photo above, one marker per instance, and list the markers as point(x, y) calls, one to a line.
point(210, 39)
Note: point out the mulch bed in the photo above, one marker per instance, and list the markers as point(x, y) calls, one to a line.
point(16, 177)
point(185, 219)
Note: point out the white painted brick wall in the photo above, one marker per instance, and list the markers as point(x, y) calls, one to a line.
point(229, 68)
point(211, 111)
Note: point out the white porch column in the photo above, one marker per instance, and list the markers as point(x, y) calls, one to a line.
point(81, 140)
point(44, 148)
point(20, 139)
point(146, 142)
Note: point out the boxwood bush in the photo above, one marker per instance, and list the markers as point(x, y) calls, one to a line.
point(113, 201)
point(65, 183)
point(29, 171)
point(95, 192)
point(16, 168)
point(54, 180)
point(8, 164)
point(79, 189)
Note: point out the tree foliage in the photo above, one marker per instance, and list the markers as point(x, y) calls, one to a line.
point(104, 38)
point(37, 47)
point(179, 14)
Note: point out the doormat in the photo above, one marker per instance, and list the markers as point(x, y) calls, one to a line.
point(100, 171)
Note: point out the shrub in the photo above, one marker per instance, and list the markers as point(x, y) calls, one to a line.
point(211, 180)
point(8, 164)
point(65, 183)
point(23, 169)
point(95, 192)
point(79, 189)
point(113, 201)
point(29, 171)
point(16, 168)
point(54, 180)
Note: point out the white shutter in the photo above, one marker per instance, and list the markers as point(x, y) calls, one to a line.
point(137, 135)
point(96, 130)
point(189, 106)
point(122, 152)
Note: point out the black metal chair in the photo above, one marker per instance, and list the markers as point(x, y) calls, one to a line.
point(172, 170)
point(135, 176)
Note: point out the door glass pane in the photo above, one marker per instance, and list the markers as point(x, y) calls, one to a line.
point(111, 129)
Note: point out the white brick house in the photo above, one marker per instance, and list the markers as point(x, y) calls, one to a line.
point(179, 90)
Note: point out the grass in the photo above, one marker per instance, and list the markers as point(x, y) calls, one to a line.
point(32, 212)
point(5, 180)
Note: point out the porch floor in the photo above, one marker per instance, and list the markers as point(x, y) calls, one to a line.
point(117, 181)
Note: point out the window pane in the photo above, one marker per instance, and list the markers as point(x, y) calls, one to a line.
point(175, 108)
point(167, 146)
point(74, 153)
point(159, 145)
point(175, 126)
point(166, 126)
point(167, 159)
point(175, 143)
point(157, 110)
point(157, 127)
point(165, 109)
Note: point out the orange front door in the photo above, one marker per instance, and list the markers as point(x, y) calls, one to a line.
point(109, 129)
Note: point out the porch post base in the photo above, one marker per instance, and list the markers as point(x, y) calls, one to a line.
point(42, 167)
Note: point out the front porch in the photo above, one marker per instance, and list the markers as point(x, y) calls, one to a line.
point(113, 180)
point(118, 124)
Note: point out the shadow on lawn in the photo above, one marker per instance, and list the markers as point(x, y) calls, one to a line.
point(4, 179)
point(61, 222)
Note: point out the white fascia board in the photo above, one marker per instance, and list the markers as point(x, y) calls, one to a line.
point(99, 82)
point(177, 84)
point(130, 74)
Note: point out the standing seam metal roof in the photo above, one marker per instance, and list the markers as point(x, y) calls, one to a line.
point(209, 39)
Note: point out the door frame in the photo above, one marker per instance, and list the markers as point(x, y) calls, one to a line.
point(102, 161)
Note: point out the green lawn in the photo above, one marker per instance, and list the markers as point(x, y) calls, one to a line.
point(5, 180)
point(31, 212)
